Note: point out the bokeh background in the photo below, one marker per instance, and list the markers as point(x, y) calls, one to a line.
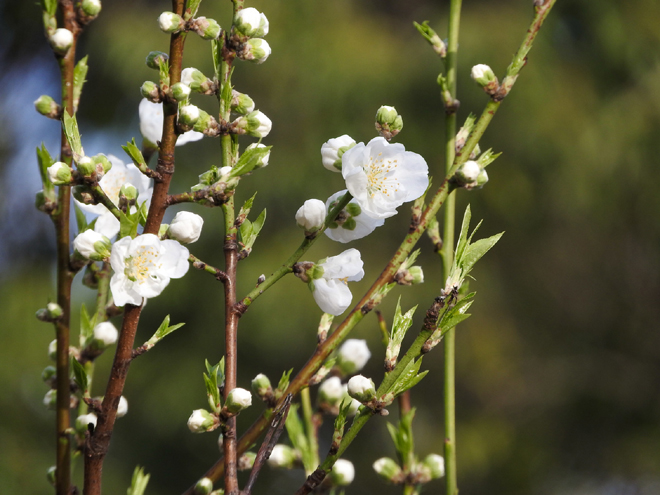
point(559, 367)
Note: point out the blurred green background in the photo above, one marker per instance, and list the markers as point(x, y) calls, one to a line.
point(559, 367)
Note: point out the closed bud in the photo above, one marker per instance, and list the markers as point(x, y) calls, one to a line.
point(47, 107)
point(311, 215)
point(105, 334)
point(343, 473)
point(102, 164)
point(263, 161)
point(237, 400)
point(122, 408)
point(128, 191)
point(54, 310)
point(485, 77)
point(169, 22)
point(61, 40)
point(207, 29)
point(86, 166)
point(361, 388)
point(468, 172)
point(282, 456)
point(417, 274)
point(203, 487)
point(195, 79)
point(201, 420)
point(91, 7)
point(482, 178)
point(352, 356)
point(150, 91)
point(186, 227)
point(83, 421)
point(49, 374)
point(331, 392)
point(83, 195)
point(246, 461)
point(52, 350)
point(180, 92)
point(188, 116)
point(50, 399)
point(250, 22)
point(388, 122)
point(261, 385)
point(255, 124)
point(333, 149)
point(155, 59)
point(255, 50)
point(59, 173)
point(434, 466)
point(50, 475)
point(387, 469)
point(241, 103)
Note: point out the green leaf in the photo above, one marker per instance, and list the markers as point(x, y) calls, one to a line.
point(191, 10)
point(128, 224)
point(79, 74)
point(248, 160)
point(87, 325)
point(81, 221)
point(50, 6)
point(79, 375)
point(45, 161)
point(139, 482)
point(475, 251)
point(487, 157)
point(216, 53)
point(284, 381)
point(247, 206)
point(212, 392)
point(134, 152)
point(70, 126)
point(400, 325)
point(462, 238)
point(296, 431)
point(408, 377)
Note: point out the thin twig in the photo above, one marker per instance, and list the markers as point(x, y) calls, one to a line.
point(205, 267)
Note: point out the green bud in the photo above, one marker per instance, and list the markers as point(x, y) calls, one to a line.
point(102, 163)
point(128, 191)
point(48, 374)
point(386, 115)
point(91, 7)
point(201, 420)
point(203, 487)
point(61, 40)
point(195, 79)
point(432, 37)
point(237, 400)
point(261, 385)
point(388, 122)
point(59, 173)
point(349, 224)
point(40, 201)
point(343, 473)
point(150, 91)
point(207, 29)
point(241, 103)
point(50, 399)
point(417, 274)
point(155, 59)
point(86, 166)
point(48, 107)
point(83, 195)
point(485, 77)
point(180, 92)
point(353, 209)
point(361, 388)
point(255, 50)
point(54, 310)
point(169, 22)
point(387, 469)
point(434, 464)
point(468, 173)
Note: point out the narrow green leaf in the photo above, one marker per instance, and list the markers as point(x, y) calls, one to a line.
point(191, 9)
point(135, 154)
point(81, 221)
point(216, 53)
point(128, 224)
point(462, 238)
point(70, 126)
point(247, 206)
point(284, 381)
point(487, 157)
point(45, 161)
point(79, 375)
point(50, 6)
point(258, 224)
point(139, 482)
point(248, 160)
point(475, 251)
point(394, 434)
point(79, 74)
point(87, 325)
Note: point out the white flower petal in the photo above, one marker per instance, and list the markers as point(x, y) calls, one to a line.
point(175, 259)
point(332, 296)
point(151, 124)
point(107, 224)
point(364, 224)
point(345, 265)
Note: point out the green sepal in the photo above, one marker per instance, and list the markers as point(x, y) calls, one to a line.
point(79, 375)
point(70, 126)
point(79, 74)
point(87, 324)
point(45, 161)
point(134, 152)
point(139, 482)
point(249, 160)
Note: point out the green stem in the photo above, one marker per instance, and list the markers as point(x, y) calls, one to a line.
point(451, 487)
point(310, 427)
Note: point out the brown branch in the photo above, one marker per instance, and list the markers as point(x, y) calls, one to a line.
point(98, 442)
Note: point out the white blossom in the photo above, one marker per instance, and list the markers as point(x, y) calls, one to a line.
point(186, 227)
point(119, 175)
point(122, 408)
point(311, 215)
point(331, 391)
point(151, 124)
point(200, 421)
point(106, 332)
point(144, 266)
point(343, 472)
point(330, 290)
point(361, 388)
point(354, 224)
point(333, 150)
point(469, 171)
point(237, 400)
point(61, 40)
point(353, 356)
point(435, 464)
point(92, 245)
point(251, 22)
point(382, 176)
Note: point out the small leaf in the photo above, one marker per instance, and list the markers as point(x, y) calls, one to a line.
point(191, 9)
point(462, 238)
point(247, 206)
point(70, 126)
point(128, 224)
point(79, 74)
point(135, 154)
point(50, 6)
point(45, 161)
point(87, 325)
point(79, 375)
point(487, 157)
point(284, 381)
point(475, 251)
point(248, 160)
point(216, 52)
point(81, 220)
point(139, 482)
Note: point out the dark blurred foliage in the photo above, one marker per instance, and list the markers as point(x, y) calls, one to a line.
point(557, 369)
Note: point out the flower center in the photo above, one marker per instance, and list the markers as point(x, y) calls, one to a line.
point(378, 176)
point(138, 266)
point(112, 186)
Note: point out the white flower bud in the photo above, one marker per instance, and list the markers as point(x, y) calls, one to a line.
point(122, 408)
point(59, 173)
point(92, 245)
point(106, 333)
point(224, 171)
point(331, 392)
point(483, 76)
point(52, 350)
point(85, 166)
point(387, 469)
point(361, 388)
point(170, 22)
point(61, 40)
point(353, 356)
point(102, 164)
point(343, 472)
point(91, 7)
point(282, 456)
point(200, 421)
point(264, 159)
point(255, 50)
point(188, 115)
point(203, 487)
point(246, 461)
point(468, 172)
point(186, 227)
point(250, 22)
point(180, 92)
point(50, 399)
point(311, 215)
point(435, 464)
point(149, 90)
point(241, 103)
point(333, 149)
point(255, 124)
point(237, 400)
point(83, 421)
